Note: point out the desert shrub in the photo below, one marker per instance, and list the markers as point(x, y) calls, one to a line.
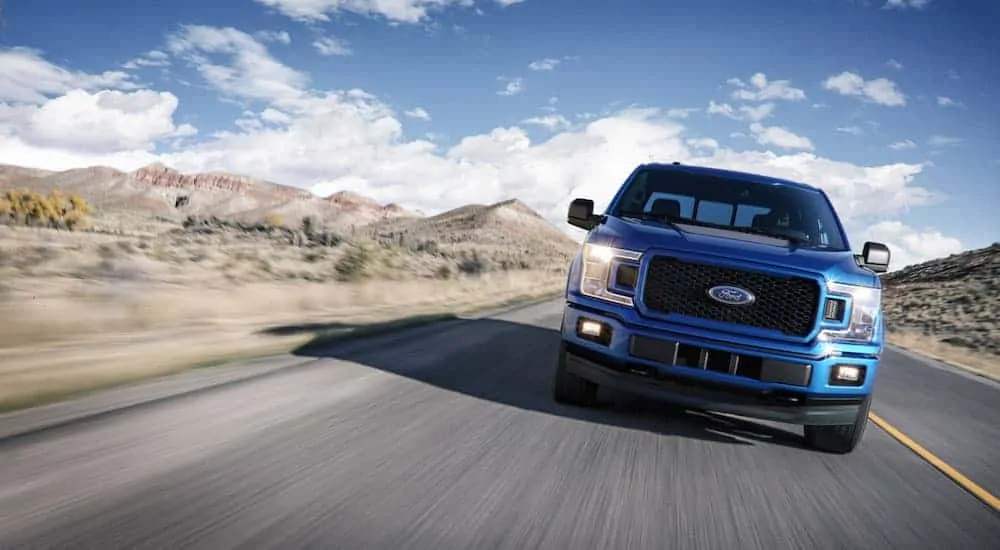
point(472, 264)
point(55, 210)
point(354, 263)
point(326, 238)
point(428, 247)
point(274, 220)
point(314, 256)
point(443, 272)
point(107, 252)
point(308, 225)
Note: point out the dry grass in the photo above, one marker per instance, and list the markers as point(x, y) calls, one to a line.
point(107, 341)
point(85, 310)
point(33, 375)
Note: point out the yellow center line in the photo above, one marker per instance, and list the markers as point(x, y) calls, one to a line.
point(953, 474)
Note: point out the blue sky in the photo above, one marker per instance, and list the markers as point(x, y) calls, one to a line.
point(838, 83)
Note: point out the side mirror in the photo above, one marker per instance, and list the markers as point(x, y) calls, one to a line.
point(875, 256)
point(581, 214)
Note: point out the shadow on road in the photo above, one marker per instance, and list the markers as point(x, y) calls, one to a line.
point(512, 364)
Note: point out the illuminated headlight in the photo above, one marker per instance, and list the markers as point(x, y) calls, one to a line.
point(866, 307)
point(596, 271)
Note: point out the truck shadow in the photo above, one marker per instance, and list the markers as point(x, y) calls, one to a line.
point(512, 364)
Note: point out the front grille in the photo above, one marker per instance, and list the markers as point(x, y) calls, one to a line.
point(786, 304)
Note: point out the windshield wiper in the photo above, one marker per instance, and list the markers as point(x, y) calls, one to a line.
point(667, 220)
point(773, 234)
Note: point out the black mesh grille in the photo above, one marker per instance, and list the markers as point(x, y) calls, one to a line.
point(786, 304)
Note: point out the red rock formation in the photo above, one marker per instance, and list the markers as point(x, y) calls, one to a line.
point(162, 176)
point(350, 200)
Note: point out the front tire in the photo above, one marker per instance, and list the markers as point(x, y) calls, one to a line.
point(841, 439)
point(569, 388)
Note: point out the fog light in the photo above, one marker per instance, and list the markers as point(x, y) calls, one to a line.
point(847, 375)
point(594, 331)
point(590, 328)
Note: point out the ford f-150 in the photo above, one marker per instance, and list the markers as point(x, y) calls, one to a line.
point(729, 292)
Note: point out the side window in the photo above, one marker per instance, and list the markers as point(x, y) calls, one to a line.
point(745, 214)
point(715, 212)
point(687, 203)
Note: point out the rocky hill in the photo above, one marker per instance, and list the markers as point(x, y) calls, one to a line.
point(955, 300)
point(157, 190)
point(242, 229)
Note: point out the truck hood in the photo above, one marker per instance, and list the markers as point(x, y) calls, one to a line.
point(836, 266)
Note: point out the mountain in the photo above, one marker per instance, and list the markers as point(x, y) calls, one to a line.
point(509, 234)
point(157, 190)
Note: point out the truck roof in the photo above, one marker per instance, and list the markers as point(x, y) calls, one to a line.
point(731, 174)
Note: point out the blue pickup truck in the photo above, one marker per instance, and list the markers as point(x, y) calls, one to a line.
point(729, 292)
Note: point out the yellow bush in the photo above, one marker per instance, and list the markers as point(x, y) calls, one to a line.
point(274, 220)
point(24, 207)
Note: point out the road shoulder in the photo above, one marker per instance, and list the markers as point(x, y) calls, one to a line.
point(190, 379)
point(951, 413)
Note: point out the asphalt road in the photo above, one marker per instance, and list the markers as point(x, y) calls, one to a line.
point(446, 438)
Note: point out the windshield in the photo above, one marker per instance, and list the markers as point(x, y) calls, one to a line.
point(802, 216)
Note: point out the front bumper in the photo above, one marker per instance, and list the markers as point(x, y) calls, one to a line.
point(688, 393)
point(732, 375)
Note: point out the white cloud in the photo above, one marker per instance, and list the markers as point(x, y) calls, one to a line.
point(760, 89)
point(552, 122)
point(419, 113)
point(349, 139)
point(945, 101)
point(249, 71)
point(25, 77)
point(945, 141)
point(952, 74)
point(908, 245)
point(679, 112)
point(892, 63)
point(512, 86)
point(780, 137)
point(550, 63)
point(703, 143)
point(544, 64)
point(274, 36)
point(395, 11)
point(331, 45)
point(102, 122)
point(901, 145)
point(744, 112)
point(723, 109)
point(853, 130)
point(154, 58)
point(904, 4)
point(880, 90)
point(758, 113)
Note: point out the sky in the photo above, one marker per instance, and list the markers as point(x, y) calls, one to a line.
point(433, 104)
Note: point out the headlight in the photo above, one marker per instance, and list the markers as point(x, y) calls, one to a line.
point(594, 276)
point(866, 307)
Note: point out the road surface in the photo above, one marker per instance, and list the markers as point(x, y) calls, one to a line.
point(446, 437)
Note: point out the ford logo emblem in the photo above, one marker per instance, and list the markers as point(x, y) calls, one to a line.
point(731, 295)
